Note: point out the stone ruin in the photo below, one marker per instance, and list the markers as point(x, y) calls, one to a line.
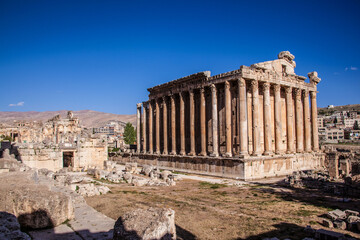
point(58, 143)
point(253, 122)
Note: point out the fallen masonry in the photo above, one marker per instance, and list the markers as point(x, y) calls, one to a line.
point(321, 180)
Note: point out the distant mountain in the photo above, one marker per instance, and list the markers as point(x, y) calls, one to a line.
point(88, 118)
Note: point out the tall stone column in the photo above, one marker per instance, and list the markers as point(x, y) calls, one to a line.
point(307, 122)
point(289, 120)
point(314, 121)
point(138, 127)
point(299, 122)
point(228, 152)
point(182, 124)
point(215, 152)
point(165, 127)
point(157, 126)
point(192, 123)
point(243, 128)
point(255, 118)
point(151, 137)
point(144, 127)
point(267, 119)
point(173, 126)
point(278, 126)
point(202, 122)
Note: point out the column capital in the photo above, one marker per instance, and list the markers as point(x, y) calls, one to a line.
point(266, 86)
point(306, 93)
point(138, 105)
point(202, 90)
point(277, 87)
point(213, 87)
point(288, 90)
point(191, 91)
point(164, 98)
point(254, 84)
point(297, 92)
point(227, 84)
point(241, 82)
point(313, 94)
point(145, 104)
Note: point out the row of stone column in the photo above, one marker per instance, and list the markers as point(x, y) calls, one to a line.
point(305, 141)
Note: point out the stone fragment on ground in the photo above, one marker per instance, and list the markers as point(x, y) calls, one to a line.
point(152, 223)
point(30, 198)
point(336, 214)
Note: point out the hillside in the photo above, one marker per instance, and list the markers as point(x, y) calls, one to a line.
point(350, 107)
point(88, 118)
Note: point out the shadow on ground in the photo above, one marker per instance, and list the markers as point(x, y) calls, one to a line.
point(315, 195)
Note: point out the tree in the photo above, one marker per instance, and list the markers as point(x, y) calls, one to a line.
point(129, 134)
point(356, 125)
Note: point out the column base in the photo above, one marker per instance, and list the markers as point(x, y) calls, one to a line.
point(150, 152)
point(267, 153)
point(203, 154)
point(214, 154)
point(165, 153)
point(243, 155)
point(191, 154)
point(182, 153)
point(228, 154)
point(144, 152)
point(173, 153)
point(290, 152)
point(256, 154)
point(157, 153)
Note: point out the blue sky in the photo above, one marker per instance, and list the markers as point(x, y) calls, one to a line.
point(103, 55)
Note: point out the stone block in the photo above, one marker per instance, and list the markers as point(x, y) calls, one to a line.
point(340, 224)
point(327, 223)
point(152, 223)
point(336, 215)
point(351, 213)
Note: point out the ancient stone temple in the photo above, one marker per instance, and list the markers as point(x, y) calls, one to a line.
point(253, 122)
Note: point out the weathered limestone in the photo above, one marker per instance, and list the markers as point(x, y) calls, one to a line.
point(173, 126)
point(144, 127)
point(228, 152)
point(182, 125)
point(315, 135)
point(151, 137)
point(278, 125)
point(243, 128)
point(307, 128)
point(165, 126)
point(299, 122)
point(157, 126)
point(138, 128)
point(255, 116)
point(202, 122)
point(289, 120)
point(267, 118)
point(192, 123)
point(215, 152)
point(252, 119)
point(146, 224)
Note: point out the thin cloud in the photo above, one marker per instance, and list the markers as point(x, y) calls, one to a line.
point(351, 68)
point(19, 104)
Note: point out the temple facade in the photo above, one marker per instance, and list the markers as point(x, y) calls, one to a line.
point(253, 122)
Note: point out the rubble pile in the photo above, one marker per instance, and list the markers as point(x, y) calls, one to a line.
point(321, 180)
point(347, 219)
point(130, 174)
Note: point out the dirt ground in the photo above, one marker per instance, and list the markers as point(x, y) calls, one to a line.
point(215, 211)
